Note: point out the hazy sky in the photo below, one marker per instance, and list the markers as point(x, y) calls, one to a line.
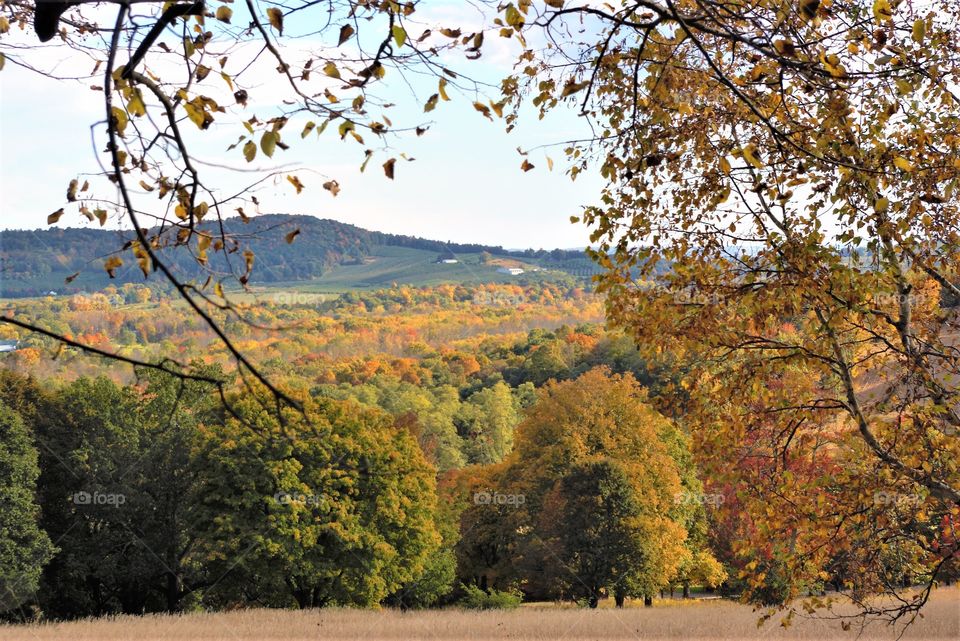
point(465, 184)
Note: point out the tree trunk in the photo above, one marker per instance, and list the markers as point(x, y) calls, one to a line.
point(686, 590)
point(648, 601)
point(619, 598)
point(174, 593)
point(594, 597)
point(302, 596)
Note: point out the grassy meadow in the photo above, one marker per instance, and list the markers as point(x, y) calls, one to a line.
point(668, 619)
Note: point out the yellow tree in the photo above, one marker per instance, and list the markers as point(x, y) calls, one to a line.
point(587, 501)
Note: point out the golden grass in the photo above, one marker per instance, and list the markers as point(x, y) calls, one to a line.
point(668, 620)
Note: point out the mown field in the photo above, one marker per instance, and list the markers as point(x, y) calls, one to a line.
point(700, 619)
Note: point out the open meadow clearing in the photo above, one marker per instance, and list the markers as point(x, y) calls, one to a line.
point(701, 619)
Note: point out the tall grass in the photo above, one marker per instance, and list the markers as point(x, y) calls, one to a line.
point(667, 620)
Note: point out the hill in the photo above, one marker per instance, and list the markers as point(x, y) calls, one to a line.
point(327, 255)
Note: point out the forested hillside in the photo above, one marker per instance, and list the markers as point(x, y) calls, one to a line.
point(72, 260)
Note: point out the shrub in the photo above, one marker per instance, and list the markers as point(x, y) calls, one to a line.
point(476, 599)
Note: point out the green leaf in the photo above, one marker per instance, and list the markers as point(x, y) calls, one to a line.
point(268, 142)
point(399, 35)
point(250, 151)
point(514, 17)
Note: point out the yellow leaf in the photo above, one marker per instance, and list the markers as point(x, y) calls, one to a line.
point(919, 30)
point(725, 165)
point(443, 89)
point(101, 216)
point(250, 151)
point(388, 168)
point(224, 13)
point(345, 32)
point(53, 218)
point(331, 70)
point(136, 106)
point(296, 185)
point(292, 235)
point(750, 155)
point(112, 264)
point(275, 16)
point(119, 119)
point(882, 10)
point(903, 164)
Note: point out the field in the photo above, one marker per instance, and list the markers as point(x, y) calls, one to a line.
point(405, 266)
point(667, 620)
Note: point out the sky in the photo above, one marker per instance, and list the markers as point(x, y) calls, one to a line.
point(465, 184)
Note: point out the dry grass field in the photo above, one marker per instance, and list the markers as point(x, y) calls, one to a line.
point(668, 620)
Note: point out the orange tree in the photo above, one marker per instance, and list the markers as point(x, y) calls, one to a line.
point(780, 211)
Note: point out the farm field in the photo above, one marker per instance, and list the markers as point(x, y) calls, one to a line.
point(700, 619)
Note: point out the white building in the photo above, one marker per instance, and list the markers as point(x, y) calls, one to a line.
point(513, 271)
point(449, 261)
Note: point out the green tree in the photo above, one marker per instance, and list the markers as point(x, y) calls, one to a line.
point(335, 506)
point(486, 422)
point(592, 528)
point(24, 547)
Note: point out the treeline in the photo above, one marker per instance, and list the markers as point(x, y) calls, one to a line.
point(158, 497)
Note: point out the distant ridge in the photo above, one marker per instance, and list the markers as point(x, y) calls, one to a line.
point(36, 262)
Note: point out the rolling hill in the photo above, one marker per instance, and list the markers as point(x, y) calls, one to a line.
point(325, 256)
